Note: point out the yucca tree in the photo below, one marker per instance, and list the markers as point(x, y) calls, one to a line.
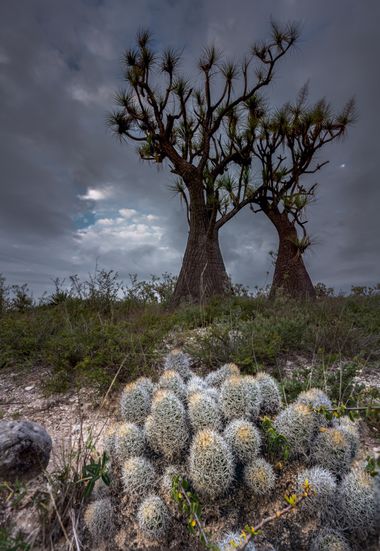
point(287, 148)
point(204, 131)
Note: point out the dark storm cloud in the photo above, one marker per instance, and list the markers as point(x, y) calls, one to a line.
point(59, 67)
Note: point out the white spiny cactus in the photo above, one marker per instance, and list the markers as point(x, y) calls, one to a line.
point(203, 412)
point(254, 396)
point(167, 428)
point(244, 440)
point(138, 476)
point(259, 477)
point(153, 518)
point(235, 399)
point(329, 540)
point(129, 441)
point(322, 498)
point(332, 449)
point(232, 540)
point(180, 362)
point(134, 404)
point(98, 518)
point(216, 378)
point(211, 464)
point(270, 394)
point(299, 424)
point(171, 380)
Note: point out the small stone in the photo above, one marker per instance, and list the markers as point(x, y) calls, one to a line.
point(25, 449)
point(29, 387)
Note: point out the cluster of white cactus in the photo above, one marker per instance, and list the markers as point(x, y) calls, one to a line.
point(209, 431)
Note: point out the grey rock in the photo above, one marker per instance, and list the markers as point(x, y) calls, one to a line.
point(25, 449)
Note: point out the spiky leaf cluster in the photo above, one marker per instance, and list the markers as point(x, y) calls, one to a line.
point(153, 518)
point(329, 540)
point(138, 476)
point(98, 518)
point(270, 394)
point(180, 362)
point(259, 477)
point(244, 440)
point(204, 412)
point(216, 378)
point(167, 429)
point(332, 449)
point(358, 504)
point(134, 403)
point(129, 442)
point(322, 499)
point(234, 398)
point(298, 423)
point(232, 540)
point(211, 464)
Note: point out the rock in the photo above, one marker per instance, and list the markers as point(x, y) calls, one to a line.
point(25, 449)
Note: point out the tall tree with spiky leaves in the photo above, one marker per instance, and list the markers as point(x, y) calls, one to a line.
point(205, 134)
point(286, 149)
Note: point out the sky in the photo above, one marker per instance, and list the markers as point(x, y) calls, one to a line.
point(73, 197)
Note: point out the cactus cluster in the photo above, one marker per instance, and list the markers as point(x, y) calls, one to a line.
point(210, 432)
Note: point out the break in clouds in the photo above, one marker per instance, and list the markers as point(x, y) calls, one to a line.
point(73, 196)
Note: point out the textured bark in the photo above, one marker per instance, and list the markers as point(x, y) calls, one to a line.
point(203, 273)
point(290, 274)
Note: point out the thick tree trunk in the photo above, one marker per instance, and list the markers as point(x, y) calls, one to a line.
point(290, 274)
point(203, 273)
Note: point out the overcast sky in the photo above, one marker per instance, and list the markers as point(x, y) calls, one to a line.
point(72, 195)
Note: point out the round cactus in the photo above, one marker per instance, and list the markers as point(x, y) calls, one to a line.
point(211, 464)
point(101, 490)
point(153, 518)
point(213, 393)
point(109, 442)
point(244, 440)
point(138, 476)
point(234, 399)
point(216, 378)
point(350, 431)
point(146, 384)
point(358, 504)
point(232, 540)
point(270, 394)
point(98, 518)
point(180, 362)
point(195, 384)
point(129, 442)
point(331, 449)
point(203, 412)
point(298, 423)
point(314, 398)
point(329, 540)
point(322, 498)
point(134, 404)
point(167, 430)
point(259, 477)
point(254, 396)
point(171, 380)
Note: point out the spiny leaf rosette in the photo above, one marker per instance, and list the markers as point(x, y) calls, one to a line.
point(208, 432)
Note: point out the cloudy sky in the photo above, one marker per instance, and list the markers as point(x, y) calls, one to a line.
point(73, 196)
